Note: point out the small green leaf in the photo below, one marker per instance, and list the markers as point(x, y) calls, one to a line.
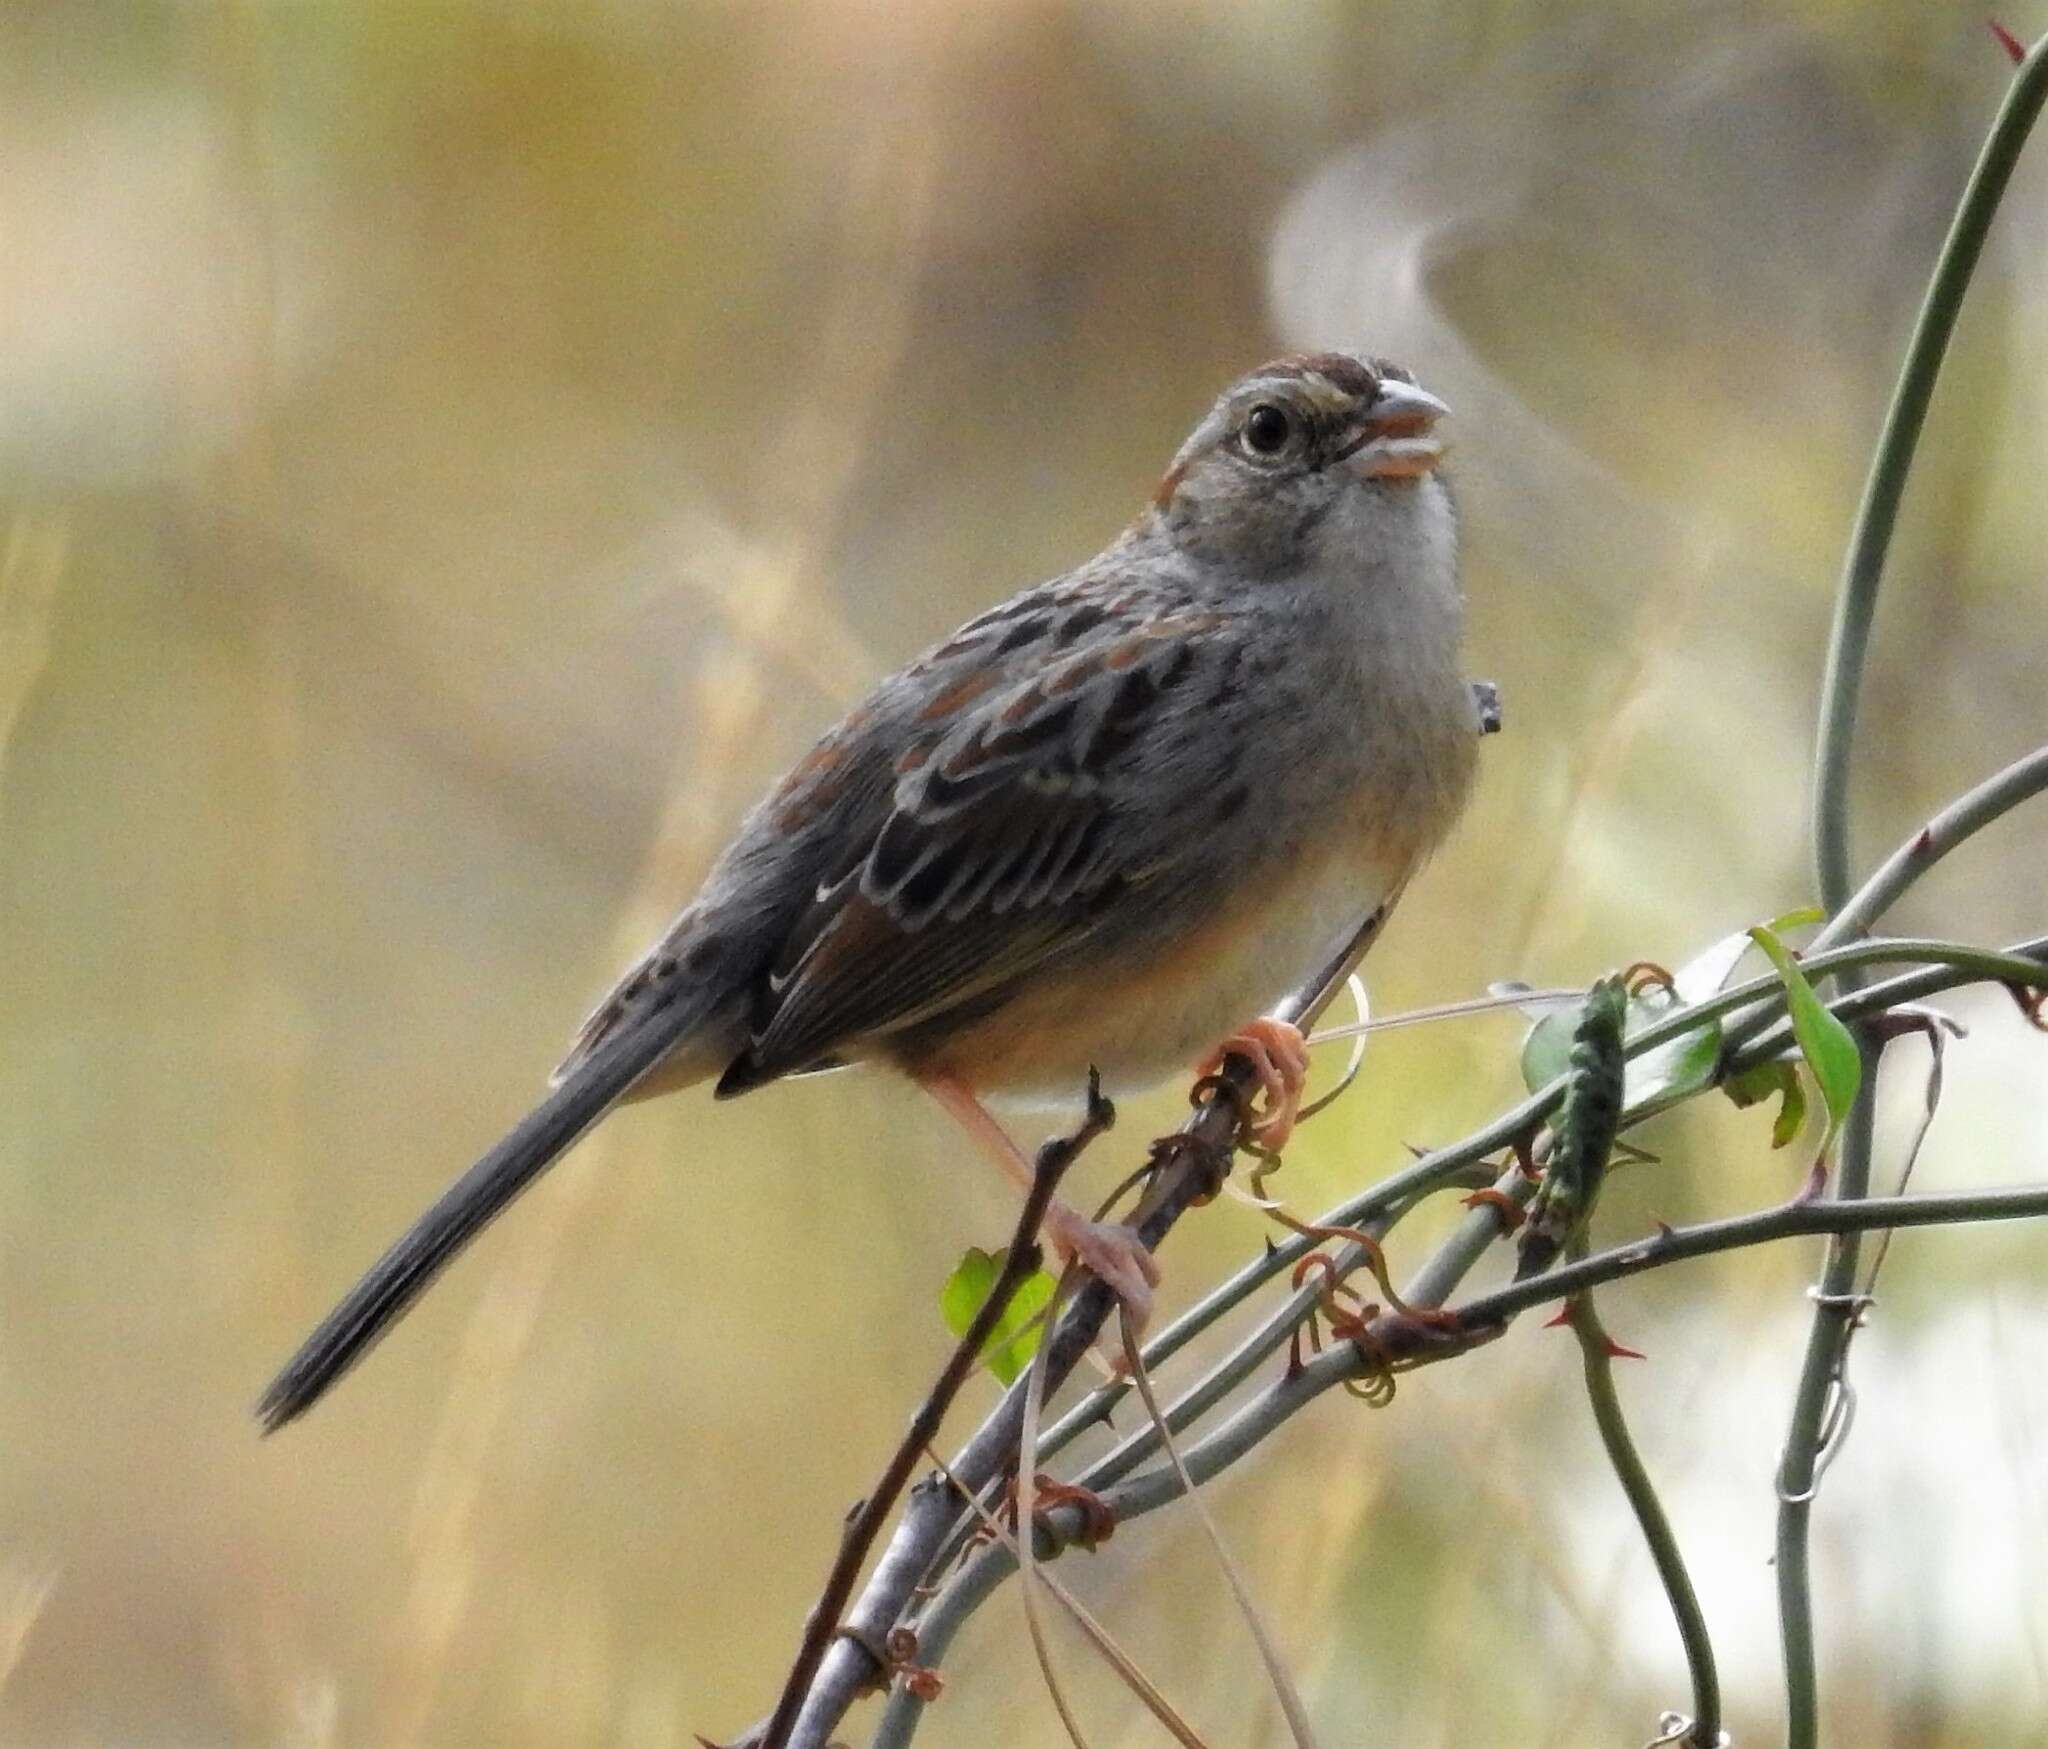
point(1772, 1080)
point(1791, 1116)
point(1824, 1042)
point(966, 1288)
point(1010, 1350)
point(1707, 972)
point(1670, 1073)
point(1677, 1070)
point(1010, 1346)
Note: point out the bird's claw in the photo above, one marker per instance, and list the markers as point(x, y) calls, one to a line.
point(1112, 1253)
point(1278, 1055)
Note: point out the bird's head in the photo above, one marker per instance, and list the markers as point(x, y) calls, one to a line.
point(1308, 457)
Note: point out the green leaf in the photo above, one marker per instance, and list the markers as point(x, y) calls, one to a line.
point(1677, 1070)
point(1547, 1050)
point(1768, 1080)
point(1791, 1116)
point(1707, 972)
point(1010, 1346)
point(1804, 917)
point(966, 1288)
point(1670, 1073)
point(1824, 1042)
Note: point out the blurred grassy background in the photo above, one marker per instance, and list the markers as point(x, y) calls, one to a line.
point(455, 454)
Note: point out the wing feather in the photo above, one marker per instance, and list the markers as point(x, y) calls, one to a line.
point(1007, 842)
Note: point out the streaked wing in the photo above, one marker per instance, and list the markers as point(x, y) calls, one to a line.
point(1011, 837)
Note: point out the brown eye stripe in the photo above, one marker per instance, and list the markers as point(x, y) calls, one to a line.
point(1162, 495)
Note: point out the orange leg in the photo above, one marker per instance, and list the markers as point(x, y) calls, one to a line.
point(1276, 1049)
point(1112, 1252)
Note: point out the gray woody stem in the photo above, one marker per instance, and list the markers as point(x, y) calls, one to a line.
point(1408, 1344)
point(932, 1508)
point(1944, 966)
point(1991, 800)
point(864, 1523)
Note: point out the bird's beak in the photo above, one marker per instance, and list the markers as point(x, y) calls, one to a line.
point(1395, 439)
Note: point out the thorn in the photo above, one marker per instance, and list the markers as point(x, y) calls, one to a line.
point(1562, 1321)
point(1923, 840)
point(2015, 50)
point(1615, 1351)
point(1270, 1247)
point(1665, 1234)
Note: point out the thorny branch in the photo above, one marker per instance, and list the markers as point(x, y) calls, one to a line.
point(1390, 1343)
point(1189, 1172)
point(933, 1523)
point(864, 1523)
point(1375, 1347)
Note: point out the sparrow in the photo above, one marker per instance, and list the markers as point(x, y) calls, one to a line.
point(1104, 825)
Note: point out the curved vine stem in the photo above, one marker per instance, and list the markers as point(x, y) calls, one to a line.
point(1848, 646)
point(1878, 513)
point(1597, 1355)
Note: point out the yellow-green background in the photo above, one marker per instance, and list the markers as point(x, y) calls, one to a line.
point(453, 455)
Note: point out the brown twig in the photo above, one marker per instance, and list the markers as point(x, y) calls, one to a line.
point(865, 1522)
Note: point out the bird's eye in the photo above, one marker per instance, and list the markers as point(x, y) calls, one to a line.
point(1267, 429)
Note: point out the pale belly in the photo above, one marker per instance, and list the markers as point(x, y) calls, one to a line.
point(1140, 1024)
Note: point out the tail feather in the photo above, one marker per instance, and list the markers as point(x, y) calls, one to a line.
point(404, 1272)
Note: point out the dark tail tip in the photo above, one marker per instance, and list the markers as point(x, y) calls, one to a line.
point(285, 1399)
point(377, 1301)
point(405, 1272)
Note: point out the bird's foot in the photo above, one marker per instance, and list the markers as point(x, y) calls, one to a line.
point(1110, 1252)
point(1278, 1054)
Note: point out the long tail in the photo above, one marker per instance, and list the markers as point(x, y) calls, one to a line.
point(403, 1273)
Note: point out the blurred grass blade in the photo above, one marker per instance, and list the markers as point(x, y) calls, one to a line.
point(1284, 1690)
point(1028, 1575)
point(1097, 1635)
point(31, 568)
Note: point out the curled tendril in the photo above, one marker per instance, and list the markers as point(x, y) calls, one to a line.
point(1332, 1296)
point(1356, 985)
point(1376, 1389)
point(1511, 1213)
point(1648, 975)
